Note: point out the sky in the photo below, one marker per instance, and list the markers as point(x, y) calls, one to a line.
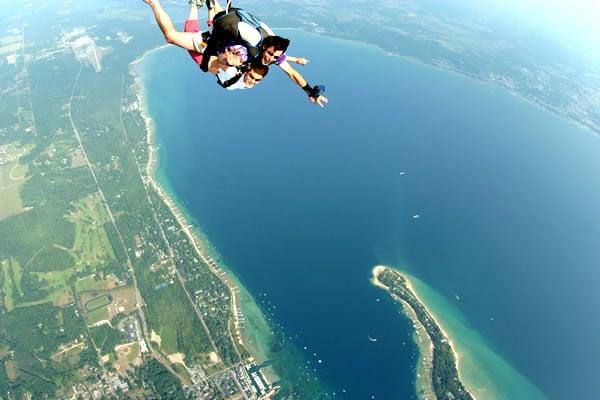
point(575, 22)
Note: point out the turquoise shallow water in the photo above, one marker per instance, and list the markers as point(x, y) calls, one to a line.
point(302, 202)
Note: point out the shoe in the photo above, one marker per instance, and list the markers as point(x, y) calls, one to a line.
point(197, 3)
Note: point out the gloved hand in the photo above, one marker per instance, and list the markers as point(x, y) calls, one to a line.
point(314, 91)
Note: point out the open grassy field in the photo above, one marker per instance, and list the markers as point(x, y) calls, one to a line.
point(56, 285)
point(98, 302)
point(168, 339)
point(8, 109)
point(51, 258)
point(17, 274)
point(55, 278)
point(58, 296)
point(12, 276)
point(105, 305)
point(182, 371)
point(127, 357)
point(93, 283)
point(97, 315)
point(12, 370)
point(91, 242)
point(134, 352)
point(12, 173)
point(7, 288)
point(12, 177)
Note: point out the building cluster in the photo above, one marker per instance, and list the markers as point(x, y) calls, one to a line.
point(253, 377)
point(108, 385)
point(130, 328)
point(245, 381)
point(10, 153)
point(86, 50)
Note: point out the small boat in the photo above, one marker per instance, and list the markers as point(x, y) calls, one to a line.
point(416, 216)
point(373, 339)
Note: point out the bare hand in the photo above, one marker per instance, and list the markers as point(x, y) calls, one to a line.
point(150, 2)
point(233, 58)
point(302, 61)
point(321, 100)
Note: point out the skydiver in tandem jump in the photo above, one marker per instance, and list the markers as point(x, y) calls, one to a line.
point(238, 48)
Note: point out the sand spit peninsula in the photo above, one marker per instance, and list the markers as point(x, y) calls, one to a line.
point(438, 378)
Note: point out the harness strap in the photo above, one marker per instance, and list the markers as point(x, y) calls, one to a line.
point(226, 29)
point(231, 81)
point(253, 21)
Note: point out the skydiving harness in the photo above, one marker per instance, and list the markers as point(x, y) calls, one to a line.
point(234, 79)
point(242, 16)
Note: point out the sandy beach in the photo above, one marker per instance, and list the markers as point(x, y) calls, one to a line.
point(239, 325)
point(151, 181)
point(378, 270)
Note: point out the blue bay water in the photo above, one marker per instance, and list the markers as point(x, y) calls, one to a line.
point(302, 202)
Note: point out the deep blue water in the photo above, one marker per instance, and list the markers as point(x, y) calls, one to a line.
point(302, 202)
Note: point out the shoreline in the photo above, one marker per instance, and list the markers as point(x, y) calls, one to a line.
point(200, 243)
point(458, 72)
point(151, 168)
point(375, 280)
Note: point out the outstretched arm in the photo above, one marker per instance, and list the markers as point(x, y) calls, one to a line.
point(172, 36)
point(297, 60)
point(296, 77)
